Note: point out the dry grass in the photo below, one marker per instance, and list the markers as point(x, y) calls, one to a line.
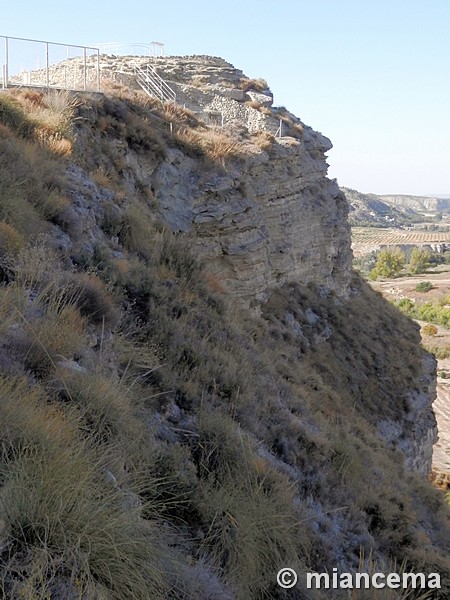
point(371, 566)
point(257, 85)
point(105, 407)
point(263, 139)
point(10, 239)
point(31, 187)
point(49, 113)
point(57, 336)
point(66, 525)
point(250, 525)
point(213, 143)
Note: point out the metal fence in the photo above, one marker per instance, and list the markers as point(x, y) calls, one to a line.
point(131, 49)
point(38, 63)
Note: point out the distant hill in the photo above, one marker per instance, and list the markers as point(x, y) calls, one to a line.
point(394, 210)
point(372, 210)
point(421, 204)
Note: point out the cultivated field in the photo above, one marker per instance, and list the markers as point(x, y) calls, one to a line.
point(366, 239)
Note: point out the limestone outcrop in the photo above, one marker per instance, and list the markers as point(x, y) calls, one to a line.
point(271, 216)
point(266, 221)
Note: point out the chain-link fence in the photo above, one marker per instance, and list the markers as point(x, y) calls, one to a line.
point(38, 63)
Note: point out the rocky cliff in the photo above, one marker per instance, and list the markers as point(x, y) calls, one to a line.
point(265, 220)
point(143, 403)
point(261, 211)
point(271, 216)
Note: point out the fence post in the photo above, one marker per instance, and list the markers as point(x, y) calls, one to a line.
point(85, 67)
point(66, 85)
point(6, 77)
point(46, 65)
point(98, 70)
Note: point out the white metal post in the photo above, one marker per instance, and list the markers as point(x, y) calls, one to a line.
point(84, 56)
point(98, 70)
point(7, 64)
point(46, 65)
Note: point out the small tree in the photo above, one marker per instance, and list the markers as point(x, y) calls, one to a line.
point(420, 260)
point(389, 263)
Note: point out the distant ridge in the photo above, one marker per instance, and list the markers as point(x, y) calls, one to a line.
point(392, 210)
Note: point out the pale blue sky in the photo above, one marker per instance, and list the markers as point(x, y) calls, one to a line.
point(373, 76)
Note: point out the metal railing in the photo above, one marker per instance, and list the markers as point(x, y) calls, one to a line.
point(126, 49)
point(38, 63)
point(153, 84)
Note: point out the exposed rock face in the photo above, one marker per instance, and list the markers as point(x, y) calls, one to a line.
point(417, 433)
point(418, 203)
point(266, 221)
point(269, 217)
point(441, 456)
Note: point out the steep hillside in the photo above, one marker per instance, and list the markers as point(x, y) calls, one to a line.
point(423, 204)
point(195, 390)
point(370, 210)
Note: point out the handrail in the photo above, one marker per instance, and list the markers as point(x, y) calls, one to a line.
point(153, 84)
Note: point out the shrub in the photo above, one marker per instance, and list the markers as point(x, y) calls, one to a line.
point(439, 352)
point(57, 335)
point(424, 286)
point(12, 115)
point(430, 330)
point(406, 305)
point(10, 239)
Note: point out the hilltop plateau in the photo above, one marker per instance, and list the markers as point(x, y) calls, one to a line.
point(195, 388)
